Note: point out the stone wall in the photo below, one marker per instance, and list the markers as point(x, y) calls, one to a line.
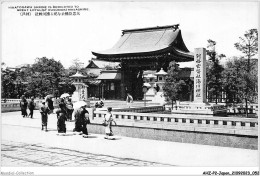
point(195, 137)
point(196, 129)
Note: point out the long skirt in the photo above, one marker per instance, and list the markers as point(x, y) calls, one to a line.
point(44, 119)
point(81, 127)
point(69, 112)
point(24, 111)
point(61, 126)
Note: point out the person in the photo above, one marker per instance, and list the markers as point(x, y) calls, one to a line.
point(69, 106)
point(99, 104)
point(129, 100)
point(31, 107)
point(81, 120)
point(109, 119)
point(62, 102)
point(61, 126)
point(50, 104)
point(23, 105)
point(44, 110)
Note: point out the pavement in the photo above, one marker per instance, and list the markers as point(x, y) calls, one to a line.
point(25, 144)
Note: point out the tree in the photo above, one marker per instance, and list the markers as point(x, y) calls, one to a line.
point(174, 87)
point(214, 70)
point(249, 46)
point(229, 80)
point(8, 89)
point(76, 66)
point(46, 76)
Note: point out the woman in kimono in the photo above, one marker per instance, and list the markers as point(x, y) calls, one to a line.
point(23, 105)
point(81, 120)
point(70, 109)
point(50, 104)
point(109, 119)
point(61, 116)
point(44, 110)
point(63, 104)
point(31, 107)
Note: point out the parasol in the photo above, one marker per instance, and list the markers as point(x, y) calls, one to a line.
point(65, 95)
point(79, 104)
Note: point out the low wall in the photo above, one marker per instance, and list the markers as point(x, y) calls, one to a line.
point(198, 129)
point(204, 138)
point(15, 106)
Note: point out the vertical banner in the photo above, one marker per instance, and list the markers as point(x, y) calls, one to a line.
point(83, 93)
point(200, 75)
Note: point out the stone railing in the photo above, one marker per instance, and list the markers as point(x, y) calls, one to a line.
point(200, 123)
point(241, 109)
point(10, 100)
point(205, 109)
point(15, 106)
point(141, 109)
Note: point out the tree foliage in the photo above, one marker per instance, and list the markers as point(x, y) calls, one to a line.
point(7, 84)
point(249, 46)
point(214, 71)
point(174, 86)
point(237, 80)
point(46, 76)
point(76, 66)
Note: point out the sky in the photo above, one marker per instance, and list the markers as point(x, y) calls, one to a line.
point(65, 38)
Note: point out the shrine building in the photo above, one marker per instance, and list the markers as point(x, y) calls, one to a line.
point(137, 51)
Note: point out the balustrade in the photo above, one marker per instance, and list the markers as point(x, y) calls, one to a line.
point(197, 121)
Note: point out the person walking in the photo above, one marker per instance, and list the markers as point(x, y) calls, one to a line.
point(23, 105)
point(50, 104)
point(62, 102)
point(81, 120)
point(31, 107)
point(108, 121)
point(129, 100)
point(61, 116)
point(44, 110)
point(70, 109)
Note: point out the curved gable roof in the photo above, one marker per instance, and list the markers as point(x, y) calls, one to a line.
point(147, 40)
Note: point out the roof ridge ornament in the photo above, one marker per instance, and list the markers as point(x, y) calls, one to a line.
point(175, 27)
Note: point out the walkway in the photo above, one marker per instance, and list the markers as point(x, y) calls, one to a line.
point(23, 135)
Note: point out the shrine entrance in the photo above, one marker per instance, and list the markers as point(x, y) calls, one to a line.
point(143, 49)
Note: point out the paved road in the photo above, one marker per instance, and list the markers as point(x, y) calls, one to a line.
point(23, 143)
point(37, 155)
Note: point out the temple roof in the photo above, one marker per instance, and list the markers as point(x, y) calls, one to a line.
point(95, 63)
point(148, 41)
point(109, 75)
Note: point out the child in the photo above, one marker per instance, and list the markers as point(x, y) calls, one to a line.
point(109, 119)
